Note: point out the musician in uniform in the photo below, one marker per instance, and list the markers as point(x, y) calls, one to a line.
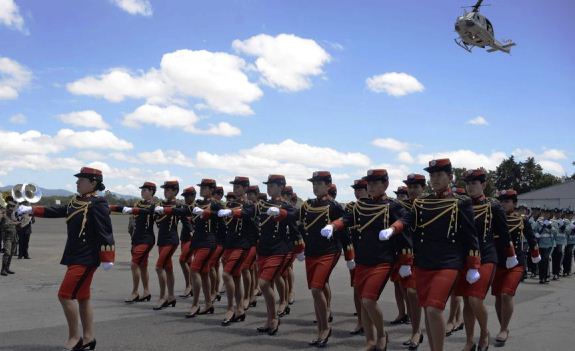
point(507, 278)
point(143, 240)
point(90, 242)
point(379, 222)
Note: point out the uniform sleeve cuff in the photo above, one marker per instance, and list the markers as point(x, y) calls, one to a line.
point(116, 208)
point(299, 247)
point(283, 214)
point(337, 225)
point(406, 258)
point(237, 213)
point(135, 211)
point(535, 252)
point(38, 211)
point(397, 227)
point(206, 214)
point(473, 262)
point(349, 253)
point(168, 211)
point(107, 253)
point(510, 250)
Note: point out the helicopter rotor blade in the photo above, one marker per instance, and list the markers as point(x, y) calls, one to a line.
point(477, 5)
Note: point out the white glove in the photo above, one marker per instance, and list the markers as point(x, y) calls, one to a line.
point(159, 210)
point(511, 262)
point(127, 210)
point(273, 211)
point(536, 259)
point(350, 264)
point(107, 265)
point(537, 235)
point(385, 234)
point(23, 209)
point(225, 213)
point(405, 271)
point(472, 276)
point(197, 211)
point(327, 231)
point(546, 222)
point(300, 256)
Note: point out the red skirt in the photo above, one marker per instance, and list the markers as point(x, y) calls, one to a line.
point(250, 258)
point(216, 255)
point(480, 288)
point(409, 282)
point(289, 261)
point(434, 286)
point(141, 253)
point(77, 282)
point(270, 267)
point(234, 259)
point(186, 252)
point(506, 280)
point(165, 257)
point(370, 280)
point(318, 269)
point(201, 260)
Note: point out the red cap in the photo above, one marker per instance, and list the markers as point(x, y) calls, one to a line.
point(359, 184)
point(231, 195)
point(276, 178)
point(262, 196)
point(475, 174)
point(415, 178)
point(173, 184)
point(149, 185)
point(507, 194)
point(401, 190)
point(208, 182)
point(189, 191)
point(287, 190)
point(376, 174)
point(320, 175)
point(253, 189)
point(219, 190)
point(245, 181)
point(90, 173)
point(442, 164)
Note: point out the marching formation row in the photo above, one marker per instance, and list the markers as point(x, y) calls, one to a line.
point(428, 244)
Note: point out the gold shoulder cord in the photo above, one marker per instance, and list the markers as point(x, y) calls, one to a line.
point(320, 212)
point(446, 206)
point(515, 223)
point(228, 220)
point(263, 206)
point(372, 211)
point(483, 210)
point(77, 207)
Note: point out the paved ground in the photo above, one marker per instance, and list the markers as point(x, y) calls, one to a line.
point(31, 318)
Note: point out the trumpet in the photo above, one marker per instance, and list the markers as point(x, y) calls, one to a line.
point(28, 192)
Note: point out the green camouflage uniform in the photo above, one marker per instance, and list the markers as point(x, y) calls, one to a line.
point(9, 241)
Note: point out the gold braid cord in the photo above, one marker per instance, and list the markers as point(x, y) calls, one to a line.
point(228, 220)
point(371, 211)
point(445, 207)
point(77, 207)
point(483, 210)
point(173, 219)
point(514, 223)
point(320, 212)
point(262, 207)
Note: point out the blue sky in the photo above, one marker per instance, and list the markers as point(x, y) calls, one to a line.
point(182, 89)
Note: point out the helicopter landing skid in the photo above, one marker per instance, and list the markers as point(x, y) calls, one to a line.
point(461, 44)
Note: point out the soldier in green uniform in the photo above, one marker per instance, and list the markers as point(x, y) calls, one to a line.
point(9, 236)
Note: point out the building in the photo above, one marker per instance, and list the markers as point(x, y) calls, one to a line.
point(555, 196)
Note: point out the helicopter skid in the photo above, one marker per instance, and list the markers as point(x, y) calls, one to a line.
point(461, 44)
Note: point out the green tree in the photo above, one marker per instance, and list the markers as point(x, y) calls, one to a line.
point(508, 174)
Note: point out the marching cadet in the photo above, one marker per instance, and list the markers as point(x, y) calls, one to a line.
point(239, 224)
point(402, 316)
point(215, 258)
point(206, 222)
point(360, 192)
point(322, 252)
point(444, 242)
point(143, 240)
point(560, 238)
point(570, 232)
point(168, 241)
point(507, 278)
point(491, 226)
point(275, 218)
point(249, 267)
point(544, 234)
point(90, 242)
point(8, 228)
point(186, 235)
point(377, 220)
point(287, 194)
point(415, 184)
point(536, 228)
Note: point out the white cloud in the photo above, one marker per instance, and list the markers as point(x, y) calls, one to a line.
point(29, 142)
point(175, 117)
point(86, 119)
point(554, 154)
point(13, 77)
point(89, 155)
point(18, 119)
point(478, 121)
point(466, 159)
point(135, 7)
point(394, 84)
point(552, 167)
point(217, 79)
point(169, 157)
point(286, 61)
point(391, 144)
point(98, 139)
point(10, 15)
point(547, 159)
point(405, 157)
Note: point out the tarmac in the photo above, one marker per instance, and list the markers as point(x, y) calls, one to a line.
point(31, 318)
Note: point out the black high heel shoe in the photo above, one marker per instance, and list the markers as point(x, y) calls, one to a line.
point(263, 329)
point(227, 322)
point(185, 296)
point(89, 346)
point(375, 348)
point(161, 307)
point(208, 311)
point(217, 298)
point(413, 346)
point(78, 346)
point(192, 314)
point(402, 320)
point(359, 331)
point(323, 342)
point(285, 312)
point(145, 298)
point(253, 303)
point(274, 331)
point(171, 303)
point(135, 299)
point(240, 318)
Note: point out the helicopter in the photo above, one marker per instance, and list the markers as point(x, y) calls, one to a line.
point(474, 29)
